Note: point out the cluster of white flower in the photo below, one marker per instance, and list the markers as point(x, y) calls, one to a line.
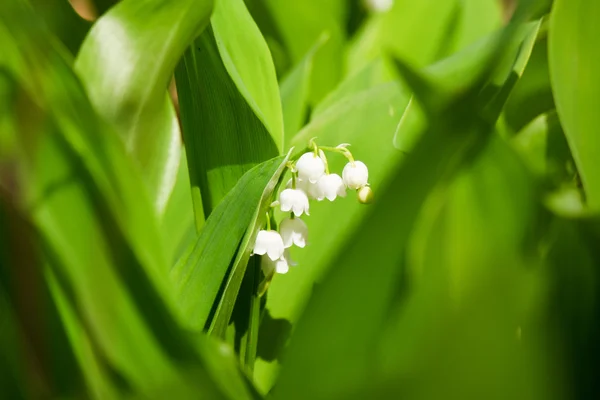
point(312, 180)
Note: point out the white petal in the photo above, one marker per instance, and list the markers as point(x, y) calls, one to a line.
point(355, 175)
point(331, 186)
point(281, 266)
point(293, 231)
point(274, 245)
point(310, 167)
point(260, 246)
point(286, 199)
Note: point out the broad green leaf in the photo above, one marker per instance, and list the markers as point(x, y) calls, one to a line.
point(62, 20)
point(373, 74)
point(126, 63)
point(532, 94)
point(222, 243)
point(177, 226)
point(422, 32)
point(418, 31)
point(247, 59)
point(229, 104)
point(456, 72)
point(574, 59)
point(367, 121)
point(476, 19)
point(544, 149)
point(301, 24)
point(469, 248)
point(295, 88)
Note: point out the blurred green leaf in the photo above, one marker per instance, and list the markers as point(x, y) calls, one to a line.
point(213, 266)
point(126, 63)
point(418, 31)
point(476, 19)
point(373, 74)
point(457, 72)
point(62, 20)
point(574, 58)
point(301, 24)
point(230, 107)
point(295, 88)
point(102, 6)
point(543, 146)
point(469, 249)
point(532, 94)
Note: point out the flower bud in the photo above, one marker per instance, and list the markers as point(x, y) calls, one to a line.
point(365, 195)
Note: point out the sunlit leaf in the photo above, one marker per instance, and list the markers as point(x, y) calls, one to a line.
point(230, 107)
point(574, 58)
point(126, 63)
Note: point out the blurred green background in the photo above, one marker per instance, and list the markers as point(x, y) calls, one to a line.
point(143, 141)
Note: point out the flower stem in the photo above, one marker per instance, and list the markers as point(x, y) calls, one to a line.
point(268, 221)
point(293, 180)
point(324, 158)
point(340, 150)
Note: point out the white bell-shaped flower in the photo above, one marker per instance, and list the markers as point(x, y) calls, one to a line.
point(269, 243)
point(293, 231)
point(310, 167)
point(330, 186)
point(355, 175)
point(294, 200)
point(310, 189)
point(281, 265)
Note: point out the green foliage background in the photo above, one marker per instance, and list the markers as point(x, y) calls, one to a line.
point(128, 211)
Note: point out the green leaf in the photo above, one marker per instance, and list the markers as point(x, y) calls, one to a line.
point(469, 248)
point(295, 88)
point(301, 24)
point(456, 72)
point(62, 20)
point(574, 58)
point(476, 19)
point(126, 63)
point(373, 74)
point(417, 31)
point(532, 94)
point(223, 243)
point(247, 59)
point(177, 226)
point(229, 104)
